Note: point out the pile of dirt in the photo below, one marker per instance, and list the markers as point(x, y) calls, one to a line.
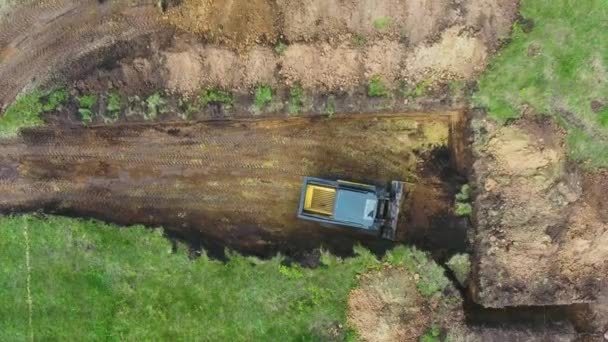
point(542, 228)
point(387, 306)
point(239, 23)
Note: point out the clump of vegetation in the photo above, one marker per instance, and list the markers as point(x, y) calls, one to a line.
point(263, 96)
point(155, 104)
point(114, 106)
point(280, 48)
point(382, 23)
point(376, 87)
point(359, 40)
point(296, 99)
point(432, 279)
point(572, 68)
point(216, 96)
point(462, 206)
point(26, 110)
point(330, 106)
point(460, 264)
point(413, 91)
point(86, 104)
point(103, 282)
point(55, 99)
point(431, 335)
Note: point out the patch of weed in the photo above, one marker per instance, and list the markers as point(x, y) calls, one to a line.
point(216, 96)
point(464, 194)
point(280, 48)
point(382, 23)
point(462, 206)
point(432, 276)
point(376, 87)
point(359, 40)
point(296, 99)
point(155, 104)
point(55, 99)
point(330, 106)
point(86, 104)
point(460, 264)
point(463, 209)
point(431, 335)
point(263, 96)
point(23, 113)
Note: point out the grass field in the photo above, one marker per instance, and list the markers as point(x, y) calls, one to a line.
point(557, 66)
point(92, 281)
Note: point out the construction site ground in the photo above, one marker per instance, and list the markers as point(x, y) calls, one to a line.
point(236, 183)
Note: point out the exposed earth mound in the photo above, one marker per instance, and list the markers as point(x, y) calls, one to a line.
point(542, 222)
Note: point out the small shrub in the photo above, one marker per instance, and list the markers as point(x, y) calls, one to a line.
point(216, 96)
point(382, 23)
point(460, 264)
point(431, 335)
point(330, 107)
point(432, 279)
point(86, 104)
point(263, 96)
point(155, 104)
point(114, 102)
point(463, 209)
point(464, 194)
point(280, 48)
point(296, 99)
point(55, 99)
point(376, 87)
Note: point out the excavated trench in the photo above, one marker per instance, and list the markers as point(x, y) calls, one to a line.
point(234, 183)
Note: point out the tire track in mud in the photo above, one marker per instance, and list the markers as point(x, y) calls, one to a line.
point(42, 38)
point(237, 183)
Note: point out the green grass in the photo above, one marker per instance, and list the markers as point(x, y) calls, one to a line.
point(382, 23)
point(376, 87)
point(296, 99)
point(463, 209)
point(94, 281)
point(561, 65)
point(26, 111)
point(216, 96)
point(263, 96)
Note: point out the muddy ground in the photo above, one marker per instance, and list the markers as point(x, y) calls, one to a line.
point(237, 184)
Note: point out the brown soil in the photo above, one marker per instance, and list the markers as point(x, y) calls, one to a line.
point(386, 306)
point(40, 39)
point(239, 23)
point(542, 229)
point(233, 183)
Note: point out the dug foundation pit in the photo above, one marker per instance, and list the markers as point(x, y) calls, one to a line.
point(236, 184)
